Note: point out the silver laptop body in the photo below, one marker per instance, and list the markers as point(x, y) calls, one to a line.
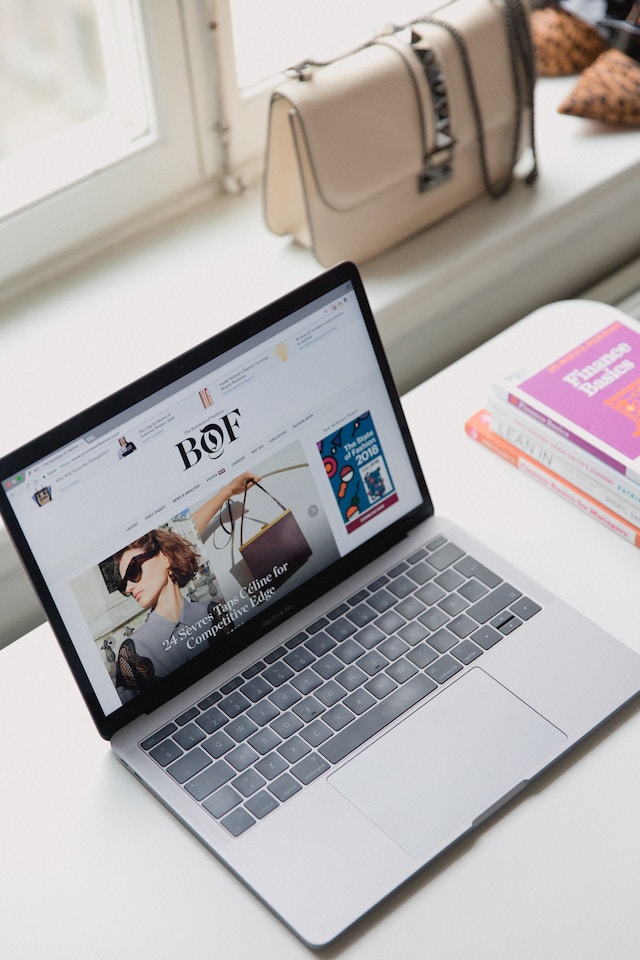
point(349, 684)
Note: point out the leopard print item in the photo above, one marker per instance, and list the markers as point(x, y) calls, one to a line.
point(608, 90)
point(563, 44)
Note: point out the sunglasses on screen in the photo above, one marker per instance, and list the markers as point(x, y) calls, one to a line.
point(134, 570)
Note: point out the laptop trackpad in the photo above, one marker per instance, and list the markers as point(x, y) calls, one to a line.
point(427, 780)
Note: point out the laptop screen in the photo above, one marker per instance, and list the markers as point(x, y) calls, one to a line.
point(168, 526)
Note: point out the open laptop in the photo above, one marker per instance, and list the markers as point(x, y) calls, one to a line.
point(324, 681)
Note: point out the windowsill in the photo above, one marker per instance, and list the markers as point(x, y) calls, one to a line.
point(73, 340)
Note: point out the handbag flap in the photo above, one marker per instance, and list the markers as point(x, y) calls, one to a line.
point(361, 122)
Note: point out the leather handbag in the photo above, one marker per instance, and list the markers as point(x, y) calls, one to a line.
point(278, 549)
point(374, 146)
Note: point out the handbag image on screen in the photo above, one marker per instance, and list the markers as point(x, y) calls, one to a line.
point(375, 145)
point(278, 549)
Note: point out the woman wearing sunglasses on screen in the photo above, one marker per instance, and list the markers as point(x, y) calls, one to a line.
point(153, 570)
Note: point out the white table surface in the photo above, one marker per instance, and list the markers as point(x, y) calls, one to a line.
point(91, 865)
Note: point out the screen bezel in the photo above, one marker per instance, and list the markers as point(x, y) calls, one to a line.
point(118, 403)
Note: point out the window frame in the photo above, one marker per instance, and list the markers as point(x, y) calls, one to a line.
point(178, 157)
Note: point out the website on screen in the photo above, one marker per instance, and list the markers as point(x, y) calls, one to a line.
point(167, 528)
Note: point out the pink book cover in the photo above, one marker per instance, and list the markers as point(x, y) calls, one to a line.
point(591, 395)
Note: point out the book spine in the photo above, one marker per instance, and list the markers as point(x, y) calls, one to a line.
point(477, 427)
point(575, 465)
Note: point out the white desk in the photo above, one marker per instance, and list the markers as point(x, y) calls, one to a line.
point(93, 866)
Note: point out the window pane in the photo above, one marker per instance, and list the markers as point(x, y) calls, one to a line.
point(51, 69)
point(74, 93)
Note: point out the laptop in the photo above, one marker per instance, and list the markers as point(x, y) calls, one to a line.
point(327, 683)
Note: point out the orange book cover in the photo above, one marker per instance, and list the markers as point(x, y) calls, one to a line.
point(478, 427)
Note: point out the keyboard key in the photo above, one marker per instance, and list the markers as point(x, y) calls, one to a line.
point(271, 766)
point(299, 658)
point(486, 637)
point(165, 752)
point(369, 636)
point(264, 741)
point(308, 709)
point(187, 716)
point(158, 736)
point(338, 717)
point(189, 736)
point(349, 651)
point(316, 733)
point(493, 603)
point(284, 787)
point(472, 568)
point(212, 720)
point(294, 749)
point(433, 618)
point(261, 804)
point(382, 600)
point(328, 666)
point(248, 783)
point(351, 678)
point(466, 652)
point(286, 725)
point(421, 573)
point(218, 744)
point(359, 701)
point(209, 701)
point(222, 801)
point(320, 644)
point(392, 648)
point(525, 608)
point(401, 587)
point(330, 693)
point(306, 681)
point(462, 626)
point(450, 580)
point(422, 655)
point(445, 556)
point(211, 779)
point(430, 593)
point(380, 686)
point(341, 629)
point(285, 696)
point(240, 729)
point(263, 712)
point(362, 615)
point(235, 704)
point(310, 768)
point(472, 590)
point(242, 757)
point(443, 669)
point(401, 670)
point(442, 640)
point(390, 622)
point(278, 673)
point(410, 608)
point(188, 765)
point(453, 604)
point(237, 822)
point(373, 662)
point(256, 689)
point(413, 632)
point(378, 717)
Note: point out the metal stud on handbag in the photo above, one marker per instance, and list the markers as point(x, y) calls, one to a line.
point(376, 145)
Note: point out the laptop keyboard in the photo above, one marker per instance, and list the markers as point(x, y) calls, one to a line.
point(262, 737)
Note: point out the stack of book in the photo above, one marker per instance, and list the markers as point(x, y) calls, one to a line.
point(573, 424)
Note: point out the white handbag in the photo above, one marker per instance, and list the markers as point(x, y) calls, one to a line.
point(376, 145)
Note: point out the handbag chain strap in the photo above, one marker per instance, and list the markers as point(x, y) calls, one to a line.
point(523, 68)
